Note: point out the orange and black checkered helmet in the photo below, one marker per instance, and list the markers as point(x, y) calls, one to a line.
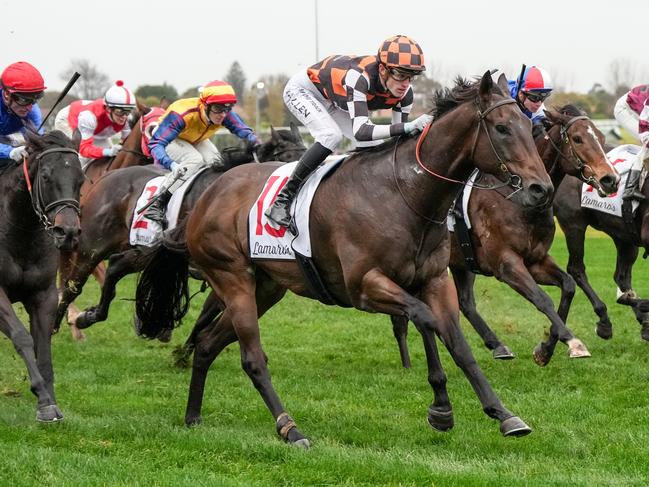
point(403, 53)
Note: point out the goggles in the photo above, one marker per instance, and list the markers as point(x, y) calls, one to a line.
point(220, 108)
point(399, 75)
point(536, 97)
point(121, 112)
point(23, 99)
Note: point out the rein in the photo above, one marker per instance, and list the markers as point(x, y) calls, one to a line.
point(36, 195)
point(513, 180)
point(580, 165)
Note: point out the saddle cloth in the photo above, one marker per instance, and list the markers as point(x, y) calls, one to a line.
point(145, 231)
point(267, 242)
point(622, 159)
point(466, 194)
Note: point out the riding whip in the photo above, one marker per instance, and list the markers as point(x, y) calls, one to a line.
point(67, 88)
point(520, 79)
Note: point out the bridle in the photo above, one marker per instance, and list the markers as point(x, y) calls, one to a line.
point(513, 180)
point(36, 194)
point(576, 160)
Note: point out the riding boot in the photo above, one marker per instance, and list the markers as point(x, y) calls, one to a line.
point(279, 212)
point(158, 208)
point(632, 188)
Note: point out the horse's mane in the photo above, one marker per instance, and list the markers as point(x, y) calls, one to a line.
point(446, 99)
point(55, 137)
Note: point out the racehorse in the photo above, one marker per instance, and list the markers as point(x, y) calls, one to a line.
point(406, 186)
point(628, 238)
point(512, 243)
point(40, 214)
point(107, 211)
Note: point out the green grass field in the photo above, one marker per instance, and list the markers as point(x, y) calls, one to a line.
point(339, 376)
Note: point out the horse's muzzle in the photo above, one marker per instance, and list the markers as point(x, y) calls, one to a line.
point(66, 237)
point(538, 195)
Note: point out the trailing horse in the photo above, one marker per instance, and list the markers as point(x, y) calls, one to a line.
point(107, 211)
point(512, 244)
point(628, 240)
point(403, 189)
point(40, 214)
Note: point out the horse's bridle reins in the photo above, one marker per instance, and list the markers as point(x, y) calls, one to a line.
point(581, 165)
point(513, 180)
point(36, 192)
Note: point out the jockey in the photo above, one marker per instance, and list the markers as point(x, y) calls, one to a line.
point(535, 87)
point(98, 122)
point(333, 98)
point(22, 86)
point(182, 142)
point(632, 112)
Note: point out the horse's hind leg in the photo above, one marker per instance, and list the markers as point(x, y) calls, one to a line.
point(211, 308)
point(400, 331)
point(119, 265)
point(627, 254)
point(441, 316)
point(24, 343)
point(464, 282)
point(74, 272)
point(577, 269)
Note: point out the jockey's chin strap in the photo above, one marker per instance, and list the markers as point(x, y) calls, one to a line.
point(581, 165)
point(513, 180)
point(36, 192)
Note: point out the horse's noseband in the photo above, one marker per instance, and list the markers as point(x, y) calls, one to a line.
point(40, 208)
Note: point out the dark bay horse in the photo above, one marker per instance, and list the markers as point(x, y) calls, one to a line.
point(512, 243)
point(40, 214)
point(380, 245)
point(107, 210)
point(628, 239)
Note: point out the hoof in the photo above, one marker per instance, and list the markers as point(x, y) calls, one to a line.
point(165, 335)
point(287, 430)
point(193, 421)
point(84, 319)
point(540, 356)
point(49, 414)
point(644, 331)
point(576, 349)
point(440, 420)
point(604, 330)
point(502, 352)
point(514, 426)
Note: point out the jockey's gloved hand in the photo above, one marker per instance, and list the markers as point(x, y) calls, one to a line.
point(177, 170)
point(418, 123)
point(112, 151)
point(17, 153)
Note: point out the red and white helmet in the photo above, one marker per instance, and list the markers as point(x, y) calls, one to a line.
point(119, 96)
point(22, 77)
point(536, 79)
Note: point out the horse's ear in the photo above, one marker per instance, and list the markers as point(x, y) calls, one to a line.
point(141, 107)
point(502, 83)
point(486, 85)
point(274, 136)
point(32, 139)
point(296, 132)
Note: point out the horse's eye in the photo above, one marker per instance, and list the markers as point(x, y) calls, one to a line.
point(502, 129)
point(577, 140)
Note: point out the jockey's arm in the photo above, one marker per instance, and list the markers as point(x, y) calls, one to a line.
point(168, 130)
point(87, 125)
point(643, 125)
point(238, 127)
point(362, 126)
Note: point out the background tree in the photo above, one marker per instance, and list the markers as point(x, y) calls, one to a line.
point(93, 82)
point(237, 78)
point(157, 91)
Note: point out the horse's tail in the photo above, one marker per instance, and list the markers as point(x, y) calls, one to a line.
point(162, 295)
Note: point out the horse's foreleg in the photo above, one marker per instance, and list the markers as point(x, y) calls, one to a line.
point(100, 273)
point(464, 282)
point(35, 348)
point(513, 271)
point(119, 265)
point(441, 316)
point(627, 254)
point(400, 331)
